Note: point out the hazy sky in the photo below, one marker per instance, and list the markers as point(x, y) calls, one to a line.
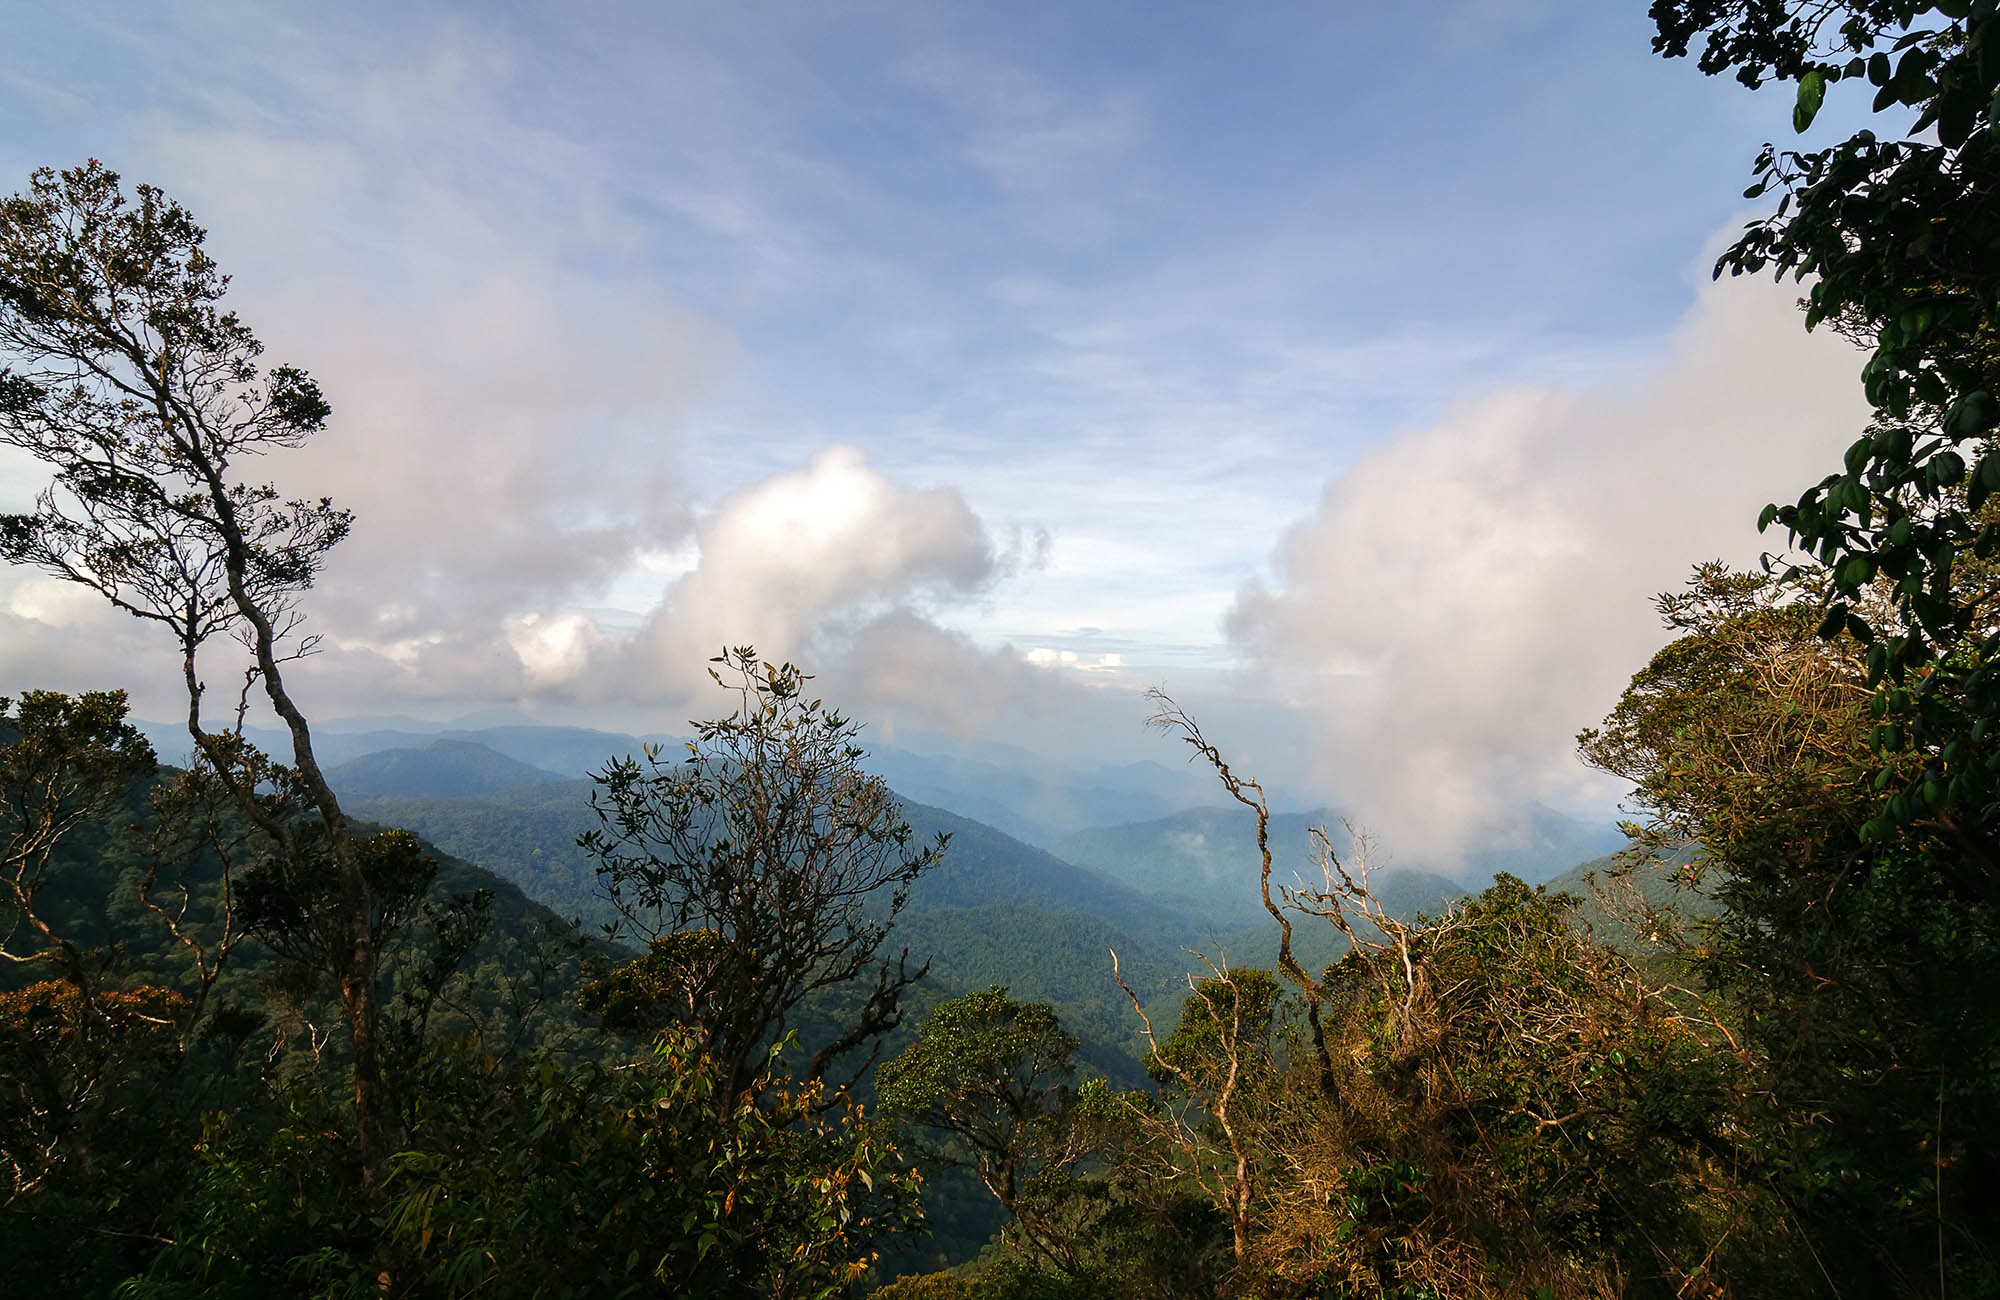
point(1352, 370)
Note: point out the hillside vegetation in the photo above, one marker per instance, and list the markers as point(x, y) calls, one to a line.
point(259, 1037)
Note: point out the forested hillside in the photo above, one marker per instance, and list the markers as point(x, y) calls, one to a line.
point(442, 769)
point(997, 911)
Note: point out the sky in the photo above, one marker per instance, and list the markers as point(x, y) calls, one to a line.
point(1352, 372)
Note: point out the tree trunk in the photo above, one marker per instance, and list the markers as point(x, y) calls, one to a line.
point(356, 966)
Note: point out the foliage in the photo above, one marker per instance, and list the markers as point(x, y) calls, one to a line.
point(78, 1082)
point(1515, 1112)
point(1523, 1111)
point(85, 1055)
point(1748, 727)
point(1205, 1037)
point(625, 1182)
point(1118, 1228)
point(1486, 1103)
point(999, 912)
point(1856, 967)
point(69, 762)
point(925, 1286)
point(102, 1093)
point(768, 866)
point(139, 390)
point(987, 1082)
point(991, 1076)
point(1901, 241)
point(272, 1206)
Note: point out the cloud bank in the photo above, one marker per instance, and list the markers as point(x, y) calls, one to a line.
point(1468, 596)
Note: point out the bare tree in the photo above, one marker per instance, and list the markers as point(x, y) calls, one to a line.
point(1170, 717)
point(1209, 1088)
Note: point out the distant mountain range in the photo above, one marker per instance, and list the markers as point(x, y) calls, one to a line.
point(1033, 801)
point(1016, 902)
point(1049, 805)
point(1040, 804)
point(1050, 866)
point(563, 751)
point(998, 910)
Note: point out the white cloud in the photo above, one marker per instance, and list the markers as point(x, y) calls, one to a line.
point(54, 602)
point(507, 383)
point(1468, 596)
point(901, 670)
point(784, 559)
point(507, 388)
point(553, 649)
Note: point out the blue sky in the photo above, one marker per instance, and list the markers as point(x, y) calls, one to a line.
point(934, 343)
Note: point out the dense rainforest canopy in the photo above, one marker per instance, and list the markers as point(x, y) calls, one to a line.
point(251, 1044)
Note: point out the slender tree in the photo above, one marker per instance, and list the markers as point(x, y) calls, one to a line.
point(122, 372)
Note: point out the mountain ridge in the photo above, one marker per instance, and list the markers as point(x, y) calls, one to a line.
point(444, 768)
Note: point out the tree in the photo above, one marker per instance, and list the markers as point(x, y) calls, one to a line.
point(1174, 720)
point(1901, 240)
point(644, 1180)
point(71, 761)
point(1857, 970)
point(92, 1042)
point(991, 1075)
point(1219, 1051)
point(125, 375)
point(1487, 1103)
point(767, 867)
point(991, 1078)
point(67, 1039)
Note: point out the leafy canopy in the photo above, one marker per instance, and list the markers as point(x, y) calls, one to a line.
point(1900, 239)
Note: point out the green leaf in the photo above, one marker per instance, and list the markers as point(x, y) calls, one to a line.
point(1971, 415)
point(1812, 93)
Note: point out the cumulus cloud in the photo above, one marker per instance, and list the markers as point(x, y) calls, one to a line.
point(782, 560)
point(847, 572)
point(833, 565)
point(508, 383)
point(1467, 596)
